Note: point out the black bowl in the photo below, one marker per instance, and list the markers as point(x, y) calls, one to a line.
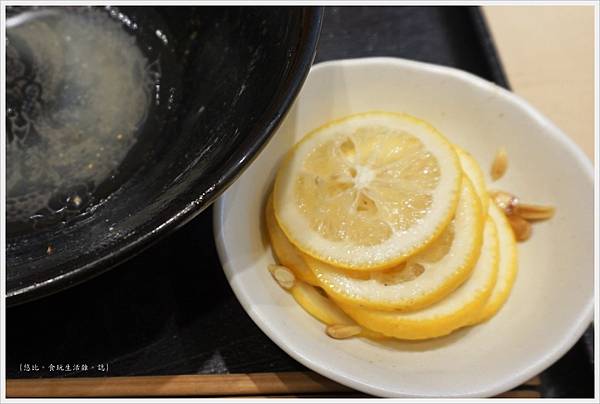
point(234, 72)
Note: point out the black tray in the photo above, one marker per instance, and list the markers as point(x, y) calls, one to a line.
point(170, 310)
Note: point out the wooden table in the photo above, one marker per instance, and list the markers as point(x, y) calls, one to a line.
point(550, 63)
point(548, 55)
point(285, 384)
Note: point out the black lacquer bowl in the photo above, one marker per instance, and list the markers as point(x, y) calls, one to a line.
point(233, 72)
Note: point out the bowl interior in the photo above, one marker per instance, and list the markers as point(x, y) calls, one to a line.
point(227, 76)
point(552, 300)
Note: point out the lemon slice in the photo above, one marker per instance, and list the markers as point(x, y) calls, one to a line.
point(455, 311)
point(472, 169)
point(318, 305)
point(507, 267)
point(367, 191)
point(323, 309)
point(284, 251)
point(444, 265)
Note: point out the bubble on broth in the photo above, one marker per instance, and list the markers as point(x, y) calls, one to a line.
point(78, 89)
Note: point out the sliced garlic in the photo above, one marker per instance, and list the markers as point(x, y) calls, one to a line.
point(535, 212)
point(505, 201)
point(284, 277)
point(499, 165)
point(342, 331)
point(520, 226)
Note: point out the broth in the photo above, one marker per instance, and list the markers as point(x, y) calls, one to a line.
point(79, 91)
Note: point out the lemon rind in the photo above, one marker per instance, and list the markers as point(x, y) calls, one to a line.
point(284, 252)
point(473, 170)
point(324, 310)
point(406, 326)
point(424, 298)
point(388, 261)
point(508, 267)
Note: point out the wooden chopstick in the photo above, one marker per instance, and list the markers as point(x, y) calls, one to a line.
point(283, 384)
point(179, 385)
point(520, 394)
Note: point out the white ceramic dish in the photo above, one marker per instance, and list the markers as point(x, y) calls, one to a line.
point(552, 301)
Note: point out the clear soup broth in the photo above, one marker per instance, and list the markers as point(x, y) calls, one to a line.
point(81, 84)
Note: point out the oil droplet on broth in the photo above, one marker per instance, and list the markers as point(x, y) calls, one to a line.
point(78, 89)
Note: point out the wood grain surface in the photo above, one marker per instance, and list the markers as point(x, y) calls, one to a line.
point(282, 384)
point(550, 63)
point(548, 56)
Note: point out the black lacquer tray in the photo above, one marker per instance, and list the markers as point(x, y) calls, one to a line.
point(171, 311)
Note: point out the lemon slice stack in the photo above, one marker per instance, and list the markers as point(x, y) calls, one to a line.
point(386, 225)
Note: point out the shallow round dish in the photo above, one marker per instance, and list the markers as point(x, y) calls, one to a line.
point(552, 301)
